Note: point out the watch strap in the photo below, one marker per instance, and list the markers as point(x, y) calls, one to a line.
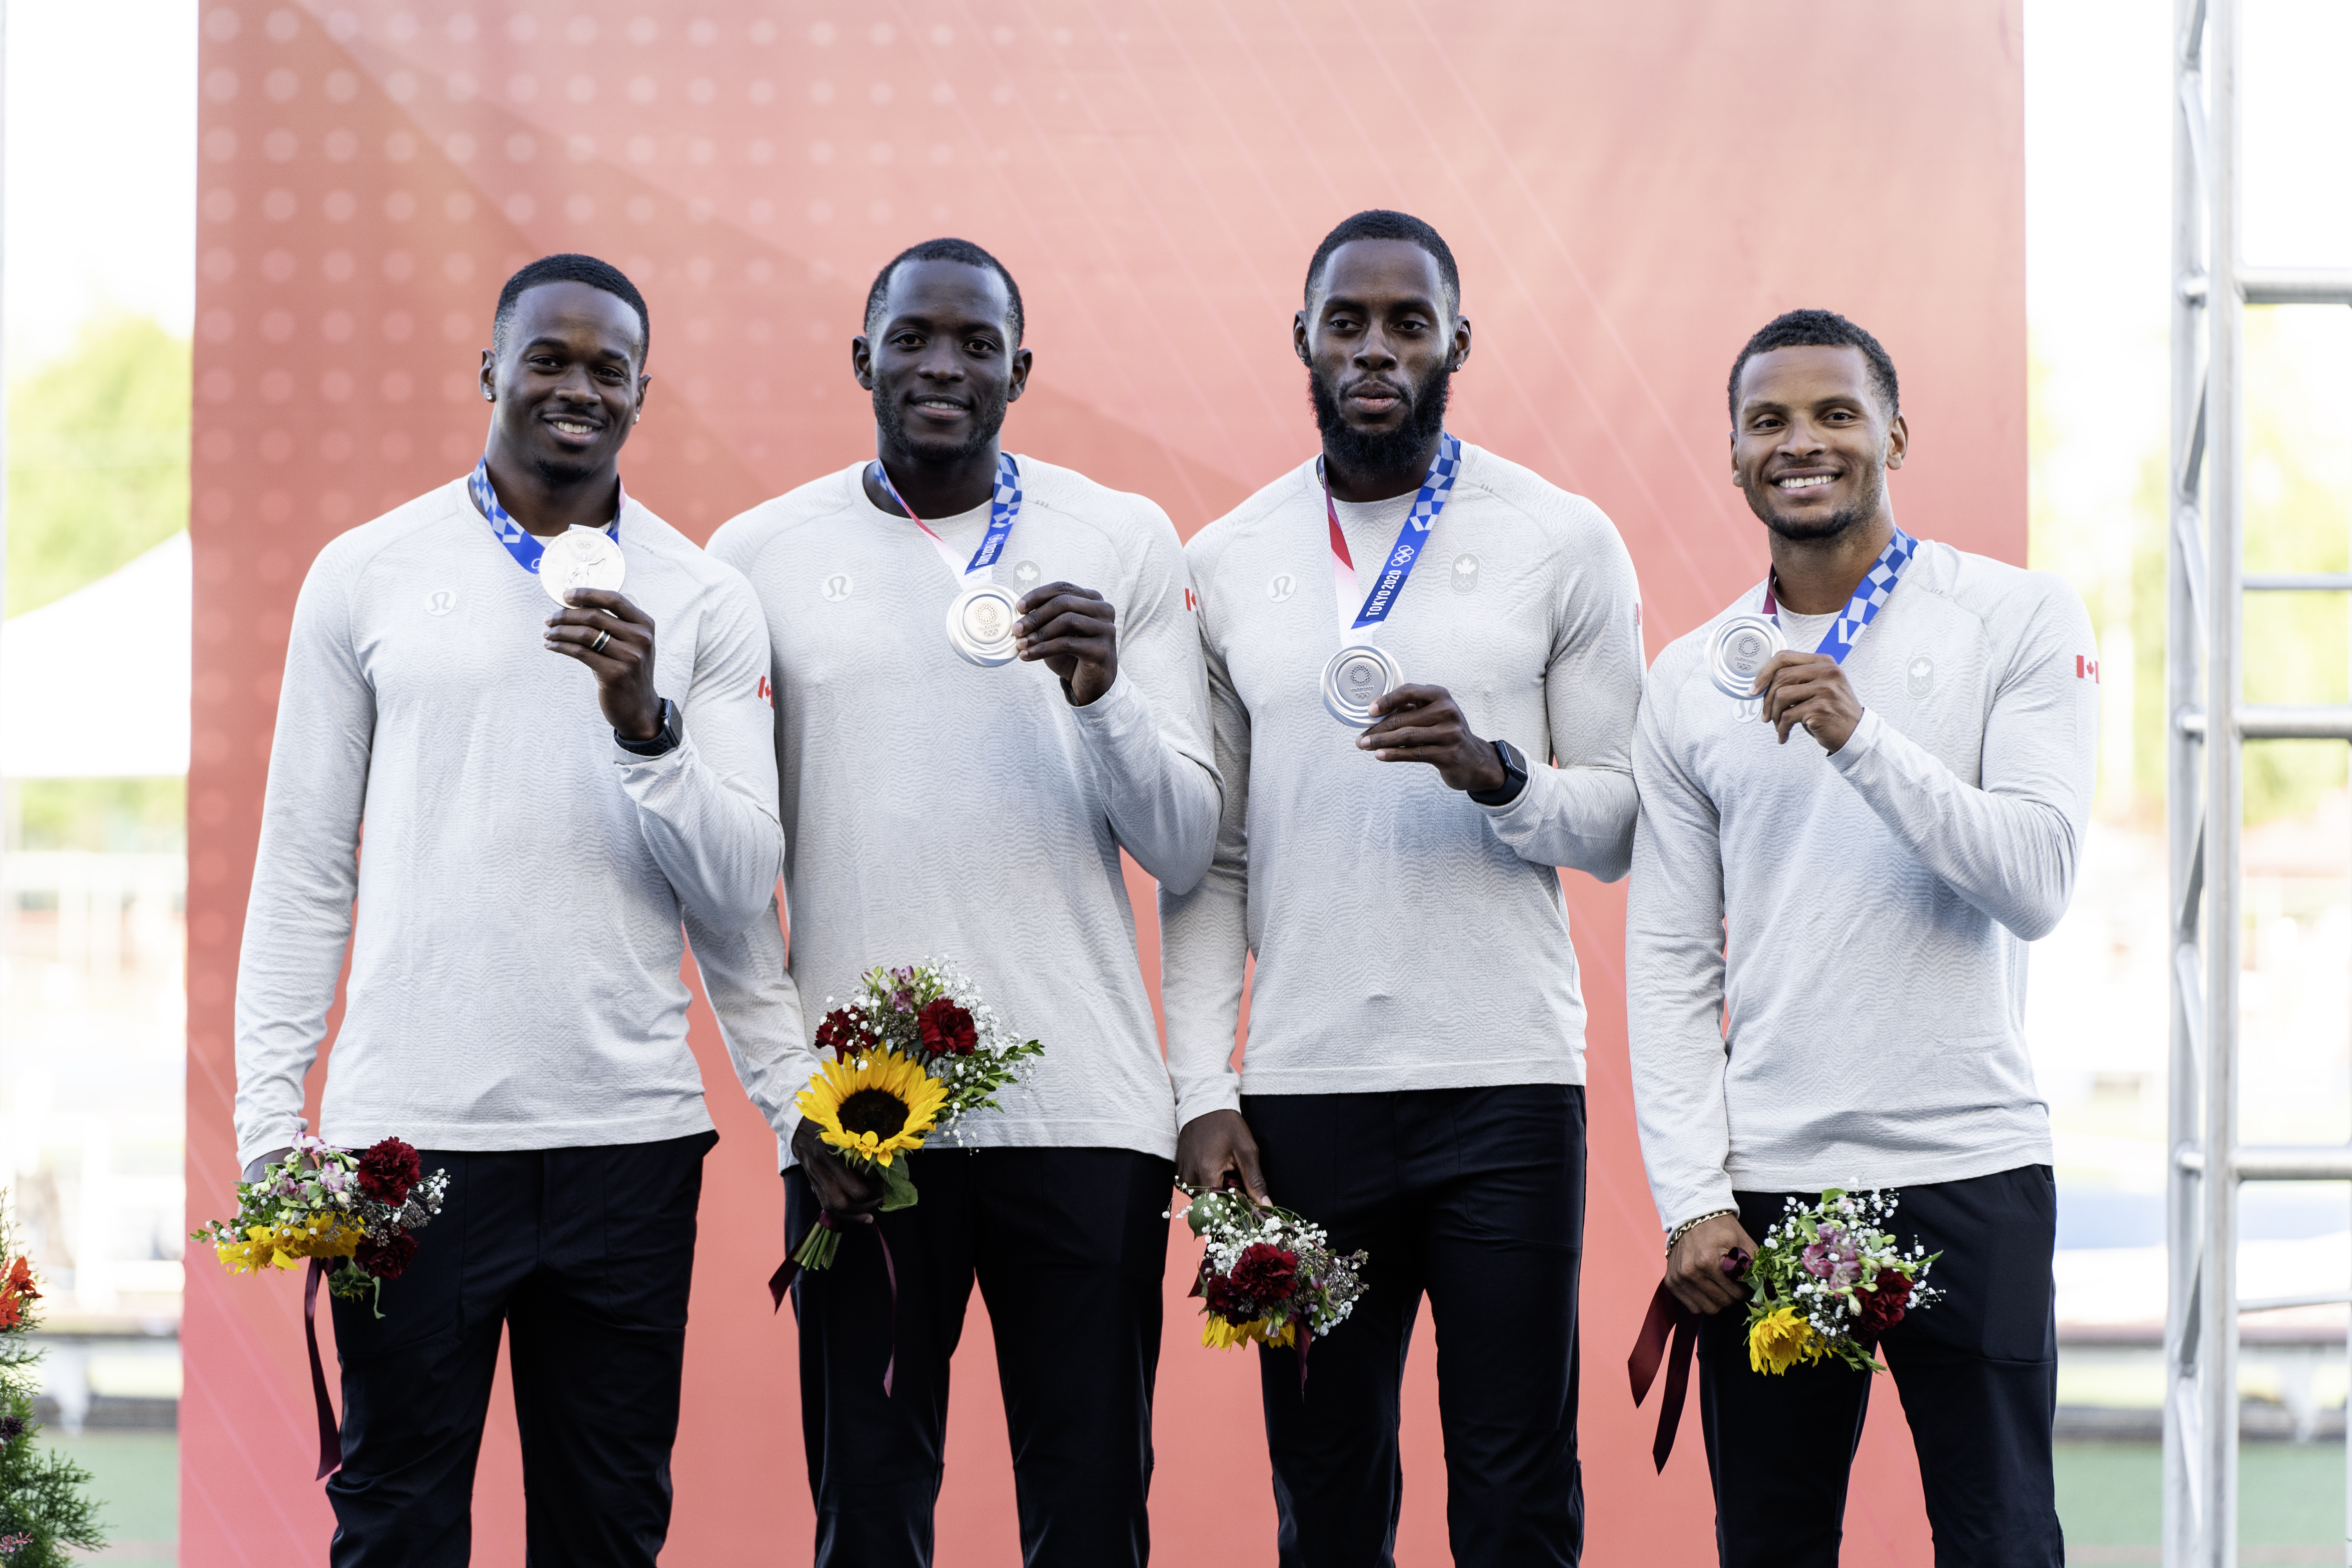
point(1514, 777)
point(665, 740)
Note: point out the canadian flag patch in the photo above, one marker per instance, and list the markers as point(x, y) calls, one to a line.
point(1191, 603)
point(2086, 670)
point(767, 693)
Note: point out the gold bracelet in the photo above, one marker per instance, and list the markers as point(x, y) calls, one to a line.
point(1693, 1222)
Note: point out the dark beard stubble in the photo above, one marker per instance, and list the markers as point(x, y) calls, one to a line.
point(988, 411)
point(1383, 451)
point(1837, 525)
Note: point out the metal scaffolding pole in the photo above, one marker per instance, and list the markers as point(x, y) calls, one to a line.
point(2205, 743)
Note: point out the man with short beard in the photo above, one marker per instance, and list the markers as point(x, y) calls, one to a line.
point(541, 823)
point(960, 787)
point(1414, 1079)
point(1844, 848)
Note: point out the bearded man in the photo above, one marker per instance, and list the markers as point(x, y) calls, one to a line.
point(1414, 1068)
point(1844, 848)
point(963, 791)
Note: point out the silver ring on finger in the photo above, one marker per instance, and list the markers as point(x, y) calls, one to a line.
point(598, 646)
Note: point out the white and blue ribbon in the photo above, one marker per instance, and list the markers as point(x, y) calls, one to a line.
point(1870, 596)
point(1003, 508)
point(525, 546)
point(1437, 488)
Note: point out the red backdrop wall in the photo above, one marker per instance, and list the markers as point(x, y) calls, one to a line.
point(1631, 190)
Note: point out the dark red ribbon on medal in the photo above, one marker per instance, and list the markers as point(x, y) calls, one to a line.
point(330, 1439)
point(786, 1272)
point(1668, 1320)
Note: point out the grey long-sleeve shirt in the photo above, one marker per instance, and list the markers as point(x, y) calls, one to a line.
point(514, 923)
point(1825, 954)
point(1406, 937)
point(936, 809)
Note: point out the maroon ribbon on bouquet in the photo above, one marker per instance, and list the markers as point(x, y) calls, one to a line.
point(1667, 1319)
point(786, 1272)
point(330, 1440)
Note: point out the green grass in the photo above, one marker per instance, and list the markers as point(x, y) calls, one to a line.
point(2289, 1494)
point(136, 1478)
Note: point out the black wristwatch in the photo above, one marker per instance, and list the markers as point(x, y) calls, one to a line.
point(665, 741)
point(1514, 777)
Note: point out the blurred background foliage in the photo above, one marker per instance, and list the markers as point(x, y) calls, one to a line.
point(97, 475)
point(2298, 519)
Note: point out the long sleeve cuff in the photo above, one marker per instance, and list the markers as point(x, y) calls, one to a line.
point(1859, 745)
point(1196, 1100)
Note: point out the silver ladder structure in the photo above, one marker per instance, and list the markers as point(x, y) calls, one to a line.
point(2210, 724)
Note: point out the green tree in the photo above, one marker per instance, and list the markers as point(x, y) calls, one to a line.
point(97, 458)
point(44, 1509)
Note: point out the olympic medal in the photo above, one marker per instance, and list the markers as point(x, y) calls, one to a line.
point(580, 558)
point(980, 624)
point(1738, 652)
point(1356, 677)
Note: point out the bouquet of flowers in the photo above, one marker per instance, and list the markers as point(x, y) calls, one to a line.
point(914, 1053)
point(1828, 1276)
point(1266, 1274)
point(356, 1215)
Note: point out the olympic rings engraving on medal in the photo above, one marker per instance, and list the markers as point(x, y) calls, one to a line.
point(1736, 652)
point(1356, 677)
point(980, 624)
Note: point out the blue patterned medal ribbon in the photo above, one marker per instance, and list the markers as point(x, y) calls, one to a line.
point(1870, 596)
point(1004, 506)
point(525, 546)
point(1437, 488)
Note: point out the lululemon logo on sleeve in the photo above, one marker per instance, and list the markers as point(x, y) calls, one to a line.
point(1280, 589)
point(440, 601)
point(836, 587)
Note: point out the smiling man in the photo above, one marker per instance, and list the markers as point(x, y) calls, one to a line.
point(540, 822)
point(967, 739)
point(1399, 792)
point(1842, 856)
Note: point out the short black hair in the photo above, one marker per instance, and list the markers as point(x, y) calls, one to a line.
point(1379, 223)
point(1818, 329)
point(571, 267)
point(962, 250)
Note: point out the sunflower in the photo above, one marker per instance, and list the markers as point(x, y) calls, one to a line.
point(1780, 1340)
point(875, 1106)
point(1221, 1334)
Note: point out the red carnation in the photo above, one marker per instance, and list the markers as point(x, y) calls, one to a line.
point(946, 1029)
point(1884, 1303)
point(385, 1258)
point(388, 1171)
point(1265, 1273)
point(842, 1033)
point(1226, 1301)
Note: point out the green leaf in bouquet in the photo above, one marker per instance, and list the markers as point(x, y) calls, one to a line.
point(898, 1188)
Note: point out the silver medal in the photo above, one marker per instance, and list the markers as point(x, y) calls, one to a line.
point(580, 558)
point(1356, 677)
point(1738, 649)
point(980, 624)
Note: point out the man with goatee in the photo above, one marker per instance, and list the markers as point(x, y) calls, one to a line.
point(1865, 788)
point(1414, 1068)
point(987, 684)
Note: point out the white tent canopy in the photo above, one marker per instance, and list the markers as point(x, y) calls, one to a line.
point(95, 685)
